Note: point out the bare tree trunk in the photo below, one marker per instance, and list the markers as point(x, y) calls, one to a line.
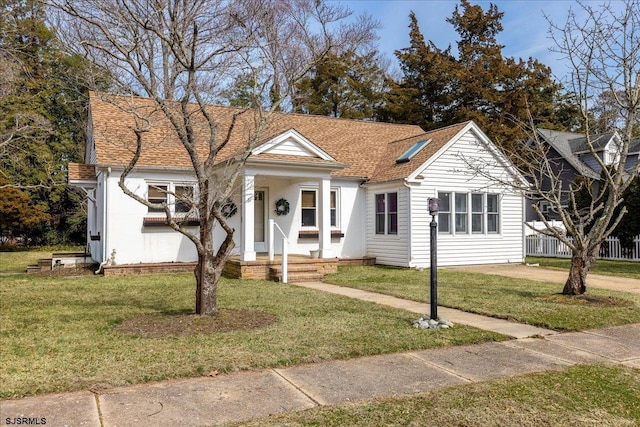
point(577, 281)
point(206, 285)
point(209, 270)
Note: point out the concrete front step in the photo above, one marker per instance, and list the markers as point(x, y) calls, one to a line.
point(299, 277)
point(296, 273)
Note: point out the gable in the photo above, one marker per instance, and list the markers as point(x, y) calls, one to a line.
point(291, 143)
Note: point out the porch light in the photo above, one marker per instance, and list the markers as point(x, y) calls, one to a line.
point(434, 206)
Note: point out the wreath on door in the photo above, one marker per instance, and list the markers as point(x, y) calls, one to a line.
point(282, 207)
point(229, 209)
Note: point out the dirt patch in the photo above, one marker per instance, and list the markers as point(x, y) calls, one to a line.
point(187, 324)
point(586, 300)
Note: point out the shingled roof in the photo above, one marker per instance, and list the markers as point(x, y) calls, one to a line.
point(360, 145)
point(388, 169)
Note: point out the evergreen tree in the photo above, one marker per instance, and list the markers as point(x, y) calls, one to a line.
point(425, 95)
point(346, 85)
point(42, 101)
point(500, 94)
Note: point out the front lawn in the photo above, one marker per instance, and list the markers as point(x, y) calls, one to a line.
point(602, 266)
point(60, 334)
point(17, 261)
point(527, 301)
point(586, 395)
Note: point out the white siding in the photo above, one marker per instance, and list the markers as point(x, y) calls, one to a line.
point(351, 214)
point(449, 173)
point(134, 242)
point(389, 249)
point(291, 148)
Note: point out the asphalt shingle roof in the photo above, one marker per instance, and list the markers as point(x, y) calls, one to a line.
point(360, 145)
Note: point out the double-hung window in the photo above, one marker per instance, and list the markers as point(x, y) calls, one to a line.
point(444, 215)
point(461, 212)
point(157, 194)
point(310, 208)
point(493, 214)
point(478, 213)
point(386, 213)
point(179, 197)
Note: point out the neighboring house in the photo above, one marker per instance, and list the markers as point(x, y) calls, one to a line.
point(571, 157)
point(354, 189)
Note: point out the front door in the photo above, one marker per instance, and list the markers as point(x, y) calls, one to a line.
point(259, 229)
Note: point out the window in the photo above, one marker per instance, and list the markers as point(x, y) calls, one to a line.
point(477, 213)
point(415, 148)
point(461, 212)
point(157, 194)
point(386, 213)
point(178, 197)
point(333, 207)
point(493, 214)
point(310, 208)
point(484, 213)
point(444, 215)
point(184, 198)
point(392, 213)
point(380, 213)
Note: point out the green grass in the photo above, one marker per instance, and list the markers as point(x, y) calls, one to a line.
point(586, 395)
point(602, 266)
point(527, 301)
point(17, 261)
point(57, 334)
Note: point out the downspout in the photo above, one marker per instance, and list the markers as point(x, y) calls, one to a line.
point(410, 230)
point(105, 234)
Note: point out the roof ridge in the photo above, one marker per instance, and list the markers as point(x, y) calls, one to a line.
point(461, 125)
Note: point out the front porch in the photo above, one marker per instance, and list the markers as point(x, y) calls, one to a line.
point(300, 268)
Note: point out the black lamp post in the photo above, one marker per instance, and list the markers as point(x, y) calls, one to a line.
point(433, 211)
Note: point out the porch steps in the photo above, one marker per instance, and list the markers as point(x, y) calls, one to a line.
point(296, 273)
point(44, 264)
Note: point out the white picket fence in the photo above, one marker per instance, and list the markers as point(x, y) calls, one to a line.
point(548, 246)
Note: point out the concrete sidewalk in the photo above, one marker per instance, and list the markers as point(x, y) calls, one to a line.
point(521, 271)
point(246, 395)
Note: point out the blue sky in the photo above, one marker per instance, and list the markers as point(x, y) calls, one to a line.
point(524, 35)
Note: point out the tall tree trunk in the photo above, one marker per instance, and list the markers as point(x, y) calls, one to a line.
point(577, 281)
point(206, 285)
point(208, 273)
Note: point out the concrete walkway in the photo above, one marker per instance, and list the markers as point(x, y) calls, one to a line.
point(246, 395)
point(521, 271)
point(513, 329)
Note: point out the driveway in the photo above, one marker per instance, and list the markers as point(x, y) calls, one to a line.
point(520, 271)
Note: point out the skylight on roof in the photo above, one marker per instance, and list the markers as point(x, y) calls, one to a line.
point(415, 148)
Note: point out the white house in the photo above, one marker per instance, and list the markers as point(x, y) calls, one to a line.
point(353, 189)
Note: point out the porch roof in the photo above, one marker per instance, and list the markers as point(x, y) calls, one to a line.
point(78, 173)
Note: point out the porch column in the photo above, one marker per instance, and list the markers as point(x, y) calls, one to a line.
point(247, 244)
point(324, 218)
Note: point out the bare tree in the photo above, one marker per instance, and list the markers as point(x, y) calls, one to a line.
point(181, 55)
point(602, 47)
point(603, 50)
